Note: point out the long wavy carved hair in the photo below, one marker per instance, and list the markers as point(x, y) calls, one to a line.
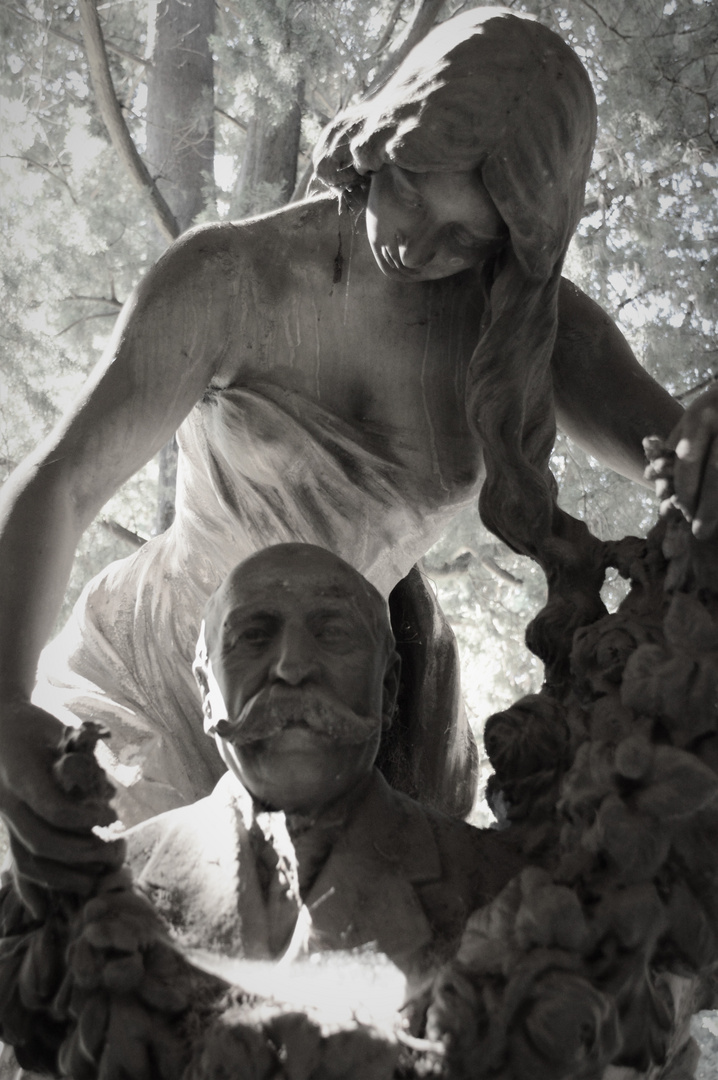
point(499, 93)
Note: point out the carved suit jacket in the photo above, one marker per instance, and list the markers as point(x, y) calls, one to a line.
point(399, 876)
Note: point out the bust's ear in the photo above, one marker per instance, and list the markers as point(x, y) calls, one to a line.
point(390, 689)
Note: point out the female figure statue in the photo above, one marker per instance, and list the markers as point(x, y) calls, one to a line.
point(348, 371)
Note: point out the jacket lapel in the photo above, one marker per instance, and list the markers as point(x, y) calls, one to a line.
point(201, 869)
point(365, 892)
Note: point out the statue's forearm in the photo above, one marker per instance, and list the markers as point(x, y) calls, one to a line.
point(164, 351)
point(604, 399)
point(39, 531)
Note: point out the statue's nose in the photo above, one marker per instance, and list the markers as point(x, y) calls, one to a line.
point(295, 659)
point(416, 251)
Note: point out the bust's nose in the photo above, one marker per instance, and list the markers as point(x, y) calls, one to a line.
point(295, 659)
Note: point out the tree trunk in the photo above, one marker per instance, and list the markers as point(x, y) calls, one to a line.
point(180, 141)
point(180, 103)
point(270, 156)
point(111, 112)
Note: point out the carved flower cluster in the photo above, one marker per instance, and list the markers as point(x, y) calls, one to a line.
point(569, 969)
point(266, 1041)
point(517, 1002)
point(92, 987)
point(125, 984)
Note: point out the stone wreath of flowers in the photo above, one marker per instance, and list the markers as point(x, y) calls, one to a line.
point(589, 964)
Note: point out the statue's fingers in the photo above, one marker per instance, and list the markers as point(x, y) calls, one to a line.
point(42, 840)
point(49, 803)
point(687, 477)
point(692, 452)
point(705, 519)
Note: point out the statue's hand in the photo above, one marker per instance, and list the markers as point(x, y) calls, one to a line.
point(693, 485)
point(48, 806)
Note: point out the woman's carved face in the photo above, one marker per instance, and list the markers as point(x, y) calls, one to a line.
point(423, 226)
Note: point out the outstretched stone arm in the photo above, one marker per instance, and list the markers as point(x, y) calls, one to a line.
point(604, 399)
point(608, 403)
point(146, 383)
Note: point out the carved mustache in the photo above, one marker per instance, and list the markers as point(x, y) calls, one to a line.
point(271, 711)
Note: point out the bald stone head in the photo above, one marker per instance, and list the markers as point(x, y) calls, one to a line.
point(298, 674)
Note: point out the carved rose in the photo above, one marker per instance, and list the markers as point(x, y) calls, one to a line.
point(76, 769)
point(265, 1042)
point(681, 689)
point(634, 916)
point(601, 651)
point(531, 912)
point(688, 625)
point(589, 780)
point(692, 931)
point(635, 843)
point(634, 757)
point(570, 1029)
point(529, 737)
point(677, 548)
point(31, 971)
point(680, 786)
point(609, 720)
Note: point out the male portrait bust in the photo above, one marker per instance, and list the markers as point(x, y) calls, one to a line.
point(303, 846)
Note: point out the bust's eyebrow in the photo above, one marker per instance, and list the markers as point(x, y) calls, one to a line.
point(336, 592)
point(327, 609)
point(243, 614)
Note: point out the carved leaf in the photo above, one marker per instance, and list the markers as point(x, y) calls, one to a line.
point(571, 1029)
point(681, 786)
point(688, 625)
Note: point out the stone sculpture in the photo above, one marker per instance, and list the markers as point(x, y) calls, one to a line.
point(439, 253)
point(348, 371)
point(589, 962)
point(591, 959)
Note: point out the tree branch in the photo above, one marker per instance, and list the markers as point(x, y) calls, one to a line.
point(302, 185)
point(86, 318)
point(233, 119)
point(426, 12)
point(713, 377)
point(627, 187)
point(116, 49)
point(388, 30)
point(464, 560)
point(614, 29)
point(112, 300)
point(45, 168)
point(114, 121)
